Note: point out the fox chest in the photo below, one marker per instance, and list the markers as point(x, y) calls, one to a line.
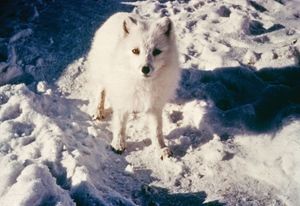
point(142, 101)
point(136, 98)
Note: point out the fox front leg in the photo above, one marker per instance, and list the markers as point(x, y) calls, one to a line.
point(118, 143)
point(155, 125)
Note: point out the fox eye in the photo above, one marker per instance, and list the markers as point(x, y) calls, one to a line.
point(136, 51)
point(156, 52)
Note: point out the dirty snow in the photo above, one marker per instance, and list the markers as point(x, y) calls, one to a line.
point(234, 126)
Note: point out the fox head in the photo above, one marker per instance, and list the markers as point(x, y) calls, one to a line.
point(149, 46)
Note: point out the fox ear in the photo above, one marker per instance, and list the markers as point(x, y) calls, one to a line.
point(128, 23)
point(166, 26)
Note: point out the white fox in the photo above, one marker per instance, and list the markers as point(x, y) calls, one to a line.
point(136, 63)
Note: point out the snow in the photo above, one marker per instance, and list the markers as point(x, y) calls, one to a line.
point(234, 127)
point(32, 179)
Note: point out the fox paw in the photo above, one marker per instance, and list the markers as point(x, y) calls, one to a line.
point(98, 117)
point(102, 115)
point(117, 151)
point(117, 147)
point(165, 153)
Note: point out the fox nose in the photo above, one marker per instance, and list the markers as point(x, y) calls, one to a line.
point(146, 70)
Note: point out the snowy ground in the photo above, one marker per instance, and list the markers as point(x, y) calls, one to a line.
point(234, 127)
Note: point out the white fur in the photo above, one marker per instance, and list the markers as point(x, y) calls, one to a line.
point(114, 66)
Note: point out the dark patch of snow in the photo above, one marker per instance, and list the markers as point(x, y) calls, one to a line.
point(257, 6)
point(244, 99)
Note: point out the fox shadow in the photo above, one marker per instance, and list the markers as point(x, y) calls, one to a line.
point(241, 100)
point(104, 191)
point(83, 194)
point(151, 195)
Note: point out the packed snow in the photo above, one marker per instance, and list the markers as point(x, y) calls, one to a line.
point(233, 127)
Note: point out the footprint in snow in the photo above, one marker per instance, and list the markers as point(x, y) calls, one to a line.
point(190, 25)
point(257, 6)
point(262, 39)
point(21, 129)
point(255, 27)
point(223, 11)
point(176, 116)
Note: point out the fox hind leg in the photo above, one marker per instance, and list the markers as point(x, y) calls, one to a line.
point(100, 113)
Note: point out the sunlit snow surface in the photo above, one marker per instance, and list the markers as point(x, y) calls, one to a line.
point(234, 127)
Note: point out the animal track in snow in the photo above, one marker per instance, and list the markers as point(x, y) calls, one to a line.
point(22, 129)
point(176, 116)
point(204, 17)
point(215, 21)
point(223, 11)
point(190, 25)
point(257, 6)
point(262, 39)
point(192, 51)
point(257, 28)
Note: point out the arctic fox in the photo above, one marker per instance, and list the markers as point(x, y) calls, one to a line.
point(136, 63)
